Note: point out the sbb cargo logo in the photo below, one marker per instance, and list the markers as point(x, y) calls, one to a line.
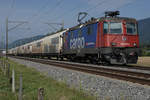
point(77, 43)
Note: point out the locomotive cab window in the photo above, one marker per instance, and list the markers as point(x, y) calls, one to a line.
point(115, 27)
point(131, 28)
point(105, 27)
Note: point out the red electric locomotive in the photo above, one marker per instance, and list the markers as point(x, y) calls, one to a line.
point(109, 40)
point(118, 39)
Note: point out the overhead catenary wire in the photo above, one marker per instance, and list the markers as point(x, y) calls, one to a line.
point(43, 7)
point(115, 8)
point(57, 5)
point(39, 11)
point(34, 15)
point(89, 9)
point(52, 10)
point(99, 4)
point(37, 14)
point(78, 8)
point(69, 12)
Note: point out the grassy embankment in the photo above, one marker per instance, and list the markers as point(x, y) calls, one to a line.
point(32, 80)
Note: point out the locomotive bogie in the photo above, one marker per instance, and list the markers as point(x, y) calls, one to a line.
point(120, 55)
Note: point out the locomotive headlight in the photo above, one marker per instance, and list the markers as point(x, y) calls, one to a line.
point(134, 44)
point(113, 44)
point(124, 38)
point(131, 54)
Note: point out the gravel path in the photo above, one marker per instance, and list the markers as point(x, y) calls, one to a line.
point(102, 87)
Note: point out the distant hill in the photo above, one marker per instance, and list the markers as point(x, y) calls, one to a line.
point(144, 31)
point(2, 46)
point(24, 41)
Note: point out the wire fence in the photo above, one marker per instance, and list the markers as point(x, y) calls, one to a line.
point(7, 70)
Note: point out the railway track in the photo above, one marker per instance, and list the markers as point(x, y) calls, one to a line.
point(135, 67)
point(126, 75)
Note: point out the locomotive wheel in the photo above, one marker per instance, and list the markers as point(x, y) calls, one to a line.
point(49, 57)
point(106, 63)
point(93, 61)
point(123, 59)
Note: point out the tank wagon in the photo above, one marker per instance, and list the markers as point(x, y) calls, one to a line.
point(109, 40)
point(49, 46)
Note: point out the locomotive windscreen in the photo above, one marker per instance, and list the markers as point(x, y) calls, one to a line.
point(131, 28)
point(116, 27)
point(113, 27)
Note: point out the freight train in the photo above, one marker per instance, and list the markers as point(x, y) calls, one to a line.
point(108, 40)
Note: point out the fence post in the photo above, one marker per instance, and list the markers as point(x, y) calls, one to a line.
point(8, 70)
point(13, 81)
point(5, 68)
point(3, 64)
point(41, 94)
point(0, 64)
point(20, 88)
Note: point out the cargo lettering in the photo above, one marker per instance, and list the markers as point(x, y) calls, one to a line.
point(77, 43)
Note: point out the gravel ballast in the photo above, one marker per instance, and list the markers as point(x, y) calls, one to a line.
point(102, 87)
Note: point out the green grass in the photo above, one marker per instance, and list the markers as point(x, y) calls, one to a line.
point(32, 80)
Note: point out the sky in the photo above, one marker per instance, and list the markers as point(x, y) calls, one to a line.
point(37, 13)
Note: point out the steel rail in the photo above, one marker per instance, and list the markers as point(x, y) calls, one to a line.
point(132, 76)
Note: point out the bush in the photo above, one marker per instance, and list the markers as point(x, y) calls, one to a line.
point(145, 51)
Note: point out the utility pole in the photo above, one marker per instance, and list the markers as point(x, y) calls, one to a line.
point(7, 30)
point(6, 37)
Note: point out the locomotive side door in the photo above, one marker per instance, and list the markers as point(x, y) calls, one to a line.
point(100, 35)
